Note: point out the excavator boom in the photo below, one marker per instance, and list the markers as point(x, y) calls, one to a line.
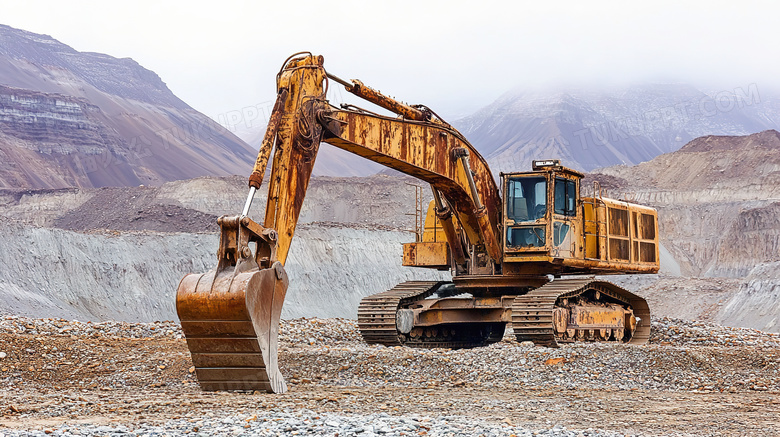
point(415, 143)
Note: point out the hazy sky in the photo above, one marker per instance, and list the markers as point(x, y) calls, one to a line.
point(454, 56)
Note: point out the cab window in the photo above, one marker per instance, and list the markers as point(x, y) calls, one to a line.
point(565, 197)
point(526, 198)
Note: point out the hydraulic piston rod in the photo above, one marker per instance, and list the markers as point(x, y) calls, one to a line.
point(357, 88)
point(444, 214)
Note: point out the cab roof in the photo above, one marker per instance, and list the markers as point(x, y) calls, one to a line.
point(547, 165)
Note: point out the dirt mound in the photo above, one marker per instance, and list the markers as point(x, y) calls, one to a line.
point(769, 139)
point(134, 209)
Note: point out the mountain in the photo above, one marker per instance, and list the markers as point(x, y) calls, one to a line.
point(590, 128)
point(70, 118)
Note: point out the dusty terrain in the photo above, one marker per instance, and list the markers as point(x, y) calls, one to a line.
point(63, 377)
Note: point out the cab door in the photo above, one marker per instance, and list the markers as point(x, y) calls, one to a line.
point(565, 195)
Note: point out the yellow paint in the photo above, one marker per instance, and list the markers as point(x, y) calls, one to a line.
point(426, 254)
point(433, 230)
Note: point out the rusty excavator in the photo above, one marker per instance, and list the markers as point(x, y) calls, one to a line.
point(519, 252)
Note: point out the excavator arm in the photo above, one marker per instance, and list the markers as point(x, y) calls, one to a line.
point(416, 142)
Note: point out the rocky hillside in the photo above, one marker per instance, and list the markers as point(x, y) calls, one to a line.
point(129, 247)
point(75, 119)
point(718, 167)
point(589, 128)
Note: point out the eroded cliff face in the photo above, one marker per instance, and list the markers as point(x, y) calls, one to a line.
point(694, 233)
point(123, 252)
point(73, 119)
point(752, 239)
point(45, 121)
point(757, 304)
point(52, 140)
point(56, 273)
point(133, 276)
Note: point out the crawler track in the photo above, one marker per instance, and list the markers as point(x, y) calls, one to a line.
point(532, 313)
point(377, 321)
point(376, 313)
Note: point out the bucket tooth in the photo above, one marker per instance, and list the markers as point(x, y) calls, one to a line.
point(230, 315)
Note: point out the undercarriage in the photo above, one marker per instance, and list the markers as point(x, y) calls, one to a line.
point(437, 315)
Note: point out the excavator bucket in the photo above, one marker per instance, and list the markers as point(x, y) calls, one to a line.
point(230, 315)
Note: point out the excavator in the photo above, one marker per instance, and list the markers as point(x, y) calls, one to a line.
point(522, 252)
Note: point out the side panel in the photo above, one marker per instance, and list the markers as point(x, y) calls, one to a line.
point(621, 233)
point(433, 230)
point(427, 254)
point(432, 251)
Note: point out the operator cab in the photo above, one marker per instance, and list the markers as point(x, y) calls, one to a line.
point(541, 210)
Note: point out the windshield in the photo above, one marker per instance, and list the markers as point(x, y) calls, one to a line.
point(526, 198)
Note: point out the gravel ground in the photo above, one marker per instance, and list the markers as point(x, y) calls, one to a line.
point(307, 422)
point(62, 377)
